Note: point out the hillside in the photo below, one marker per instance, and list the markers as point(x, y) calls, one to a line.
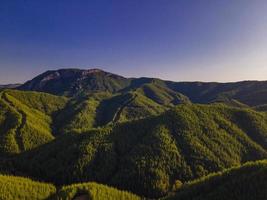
point(26, 119)
point(30, 119)
point(147, 156)
point(93, 191)
point(14, 187)
point(247, 182)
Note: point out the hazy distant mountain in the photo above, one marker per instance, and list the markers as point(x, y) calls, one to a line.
point(10, 86)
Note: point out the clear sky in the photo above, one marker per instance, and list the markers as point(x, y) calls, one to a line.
point(181, 40)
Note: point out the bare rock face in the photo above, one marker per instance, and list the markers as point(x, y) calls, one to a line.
point(74, 81)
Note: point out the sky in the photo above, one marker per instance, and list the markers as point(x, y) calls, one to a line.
point(180, 40)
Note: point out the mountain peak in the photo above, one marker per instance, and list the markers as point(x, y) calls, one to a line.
point(75, 71)
point(72, 81)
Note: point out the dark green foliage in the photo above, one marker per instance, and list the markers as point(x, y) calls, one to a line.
point(9, 120)
point(128, 133)
point(42, 102)
point(148, 156)
point(180, 145)
point(248, 182)
point(162, 94)
point(26, 119)
point(79, 115)
point(70, 158)
point(125, 107)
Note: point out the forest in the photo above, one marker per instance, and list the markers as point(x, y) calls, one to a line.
point(103, 136)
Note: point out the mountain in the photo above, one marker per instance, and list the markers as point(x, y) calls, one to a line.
point(247, 182)
point(75, 81)
point(77, 129)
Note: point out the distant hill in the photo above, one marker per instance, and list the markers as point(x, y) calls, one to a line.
point(10, 86)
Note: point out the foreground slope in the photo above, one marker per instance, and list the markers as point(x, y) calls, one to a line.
point(148, 156)
point(93, 191)
point(247, 182)
point(14, 187)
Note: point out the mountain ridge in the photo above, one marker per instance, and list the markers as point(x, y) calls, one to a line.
point(73, 82)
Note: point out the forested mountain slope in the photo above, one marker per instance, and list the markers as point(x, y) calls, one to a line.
point(142, 135)
point(247, 182)
point(147, 156)
point(28, 115)
point(26, 119)
point(12, 187)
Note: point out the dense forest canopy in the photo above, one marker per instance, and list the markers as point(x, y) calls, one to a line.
point(94, 133)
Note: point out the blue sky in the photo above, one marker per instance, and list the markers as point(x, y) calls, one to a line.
point(181, 40)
